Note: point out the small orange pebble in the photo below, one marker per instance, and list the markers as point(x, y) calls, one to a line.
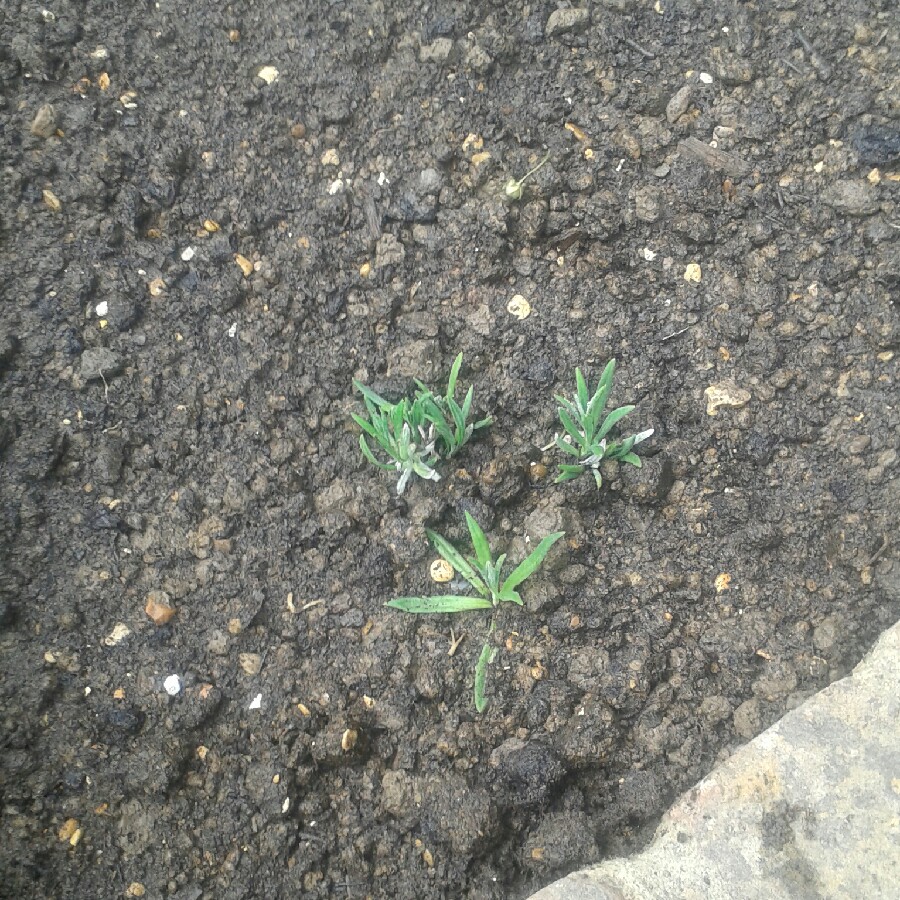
point(723, 582)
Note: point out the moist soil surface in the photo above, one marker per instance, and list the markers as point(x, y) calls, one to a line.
point(199, 255)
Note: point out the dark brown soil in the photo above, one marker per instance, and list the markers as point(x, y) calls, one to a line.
point(171, 424)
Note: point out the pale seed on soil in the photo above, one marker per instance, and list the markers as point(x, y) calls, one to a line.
point(245, 264)
point(234, 35)
point(348, 739)
point(51, 200)
point(69, 827)
point(119, 633)
point(211, 225)
point(135, 889)
point(519, 307)
point(441, 571)
point(103, 81)
point(298, 131)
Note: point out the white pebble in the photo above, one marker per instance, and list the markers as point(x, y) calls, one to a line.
point(648, 254)
point(232, 331)
point(706, 78)
point(286, 805)
point(172, 685)
point(256, 702)
point(102, 308)
point(188, 254)
point(268, 74)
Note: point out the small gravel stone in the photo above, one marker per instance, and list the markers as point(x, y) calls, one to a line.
point(100, 361)
point(250, 663)
point(679, 104)
point(44, 123)
point(725, 393)
point(159, 608)
point(430, 181)
point(748, 719)
point(172, 685)
point(562, 21)
point(437, 51)
point(855, 198)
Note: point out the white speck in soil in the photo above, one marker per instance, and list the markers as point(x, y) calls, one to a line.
point(172, 685)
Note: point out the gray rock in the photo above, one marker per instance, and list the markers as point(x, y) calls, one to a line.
point(479, 60)
point(855, 198)
point(97, 362)
point(748, 719)
point(648, 204)
point(430, 181)
point(44, 122)
point(388, 251)
point(438, 51)
point(808, 809)
point(678, 105)
point(562, 21)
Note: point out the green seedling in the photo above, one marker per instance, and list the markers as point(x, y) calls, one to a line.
point(485, 575)
point(587, 437)
point(450, 420)
point(513, 187)
point(416, 433)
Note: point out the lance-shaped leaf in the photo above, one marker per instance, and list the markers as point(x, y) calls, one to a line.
point(441, 604)
point(531, 562)
point(458, 561)
point(481, 677)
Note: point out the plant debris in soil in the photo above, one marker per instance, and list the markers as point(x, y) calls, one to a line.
point(212, 219)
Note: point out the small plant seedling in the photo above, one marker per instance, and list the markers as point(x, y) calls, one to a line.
point(587, 437)
point(416, 433)
point(484, 574)
point(513, 187)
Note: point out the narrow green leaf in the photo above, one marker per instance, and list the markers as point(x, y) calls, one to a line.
point(598, 478)
point(467, 402)
point(442, 604)
point(441, 427)
point(576, 433)
point(511, 596)
point(479, 541)
point(643, 435)
point(611, 420)
point(481, 677)
point(568, 476)
point(569, 407)
point(531, 562)
point(566, 447)
point(366, 425)
point(458, 561)
point(582, 391)
point(370, 395)
point(483, 423)
point(370, 456)
point(454, 374)
point(632, 458)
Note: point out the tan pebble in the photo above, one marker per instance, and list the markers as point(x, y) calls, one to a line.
point(479, 158)
point(725, 393)
point(51, 200)
point(693, 273)
point(103, 81)
point(234, 35)
point(537, 471)
point(119, 694)
point(474, 141)
point(234, 626)
point(298, 131)
point(211, 225)
point(251, 663)
point(578, 134)
point(537, 671)
point(537, 853)
point(158, 608)
point(201, 752)
point(303, 709)
point(75, 840)
point(44, 123)
point(519, 307)
point(365, 270)
point(135, 889)
point(276, 779)
point(723, 582)
point(69, 827)
point(428, 858)
point(368, 702)
point(119, 633)
point(330, 157)
point(441, 571)
point(245, 264)
point(348, 739)
point(127, 99)
point(303, 242)
point(588, 153)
